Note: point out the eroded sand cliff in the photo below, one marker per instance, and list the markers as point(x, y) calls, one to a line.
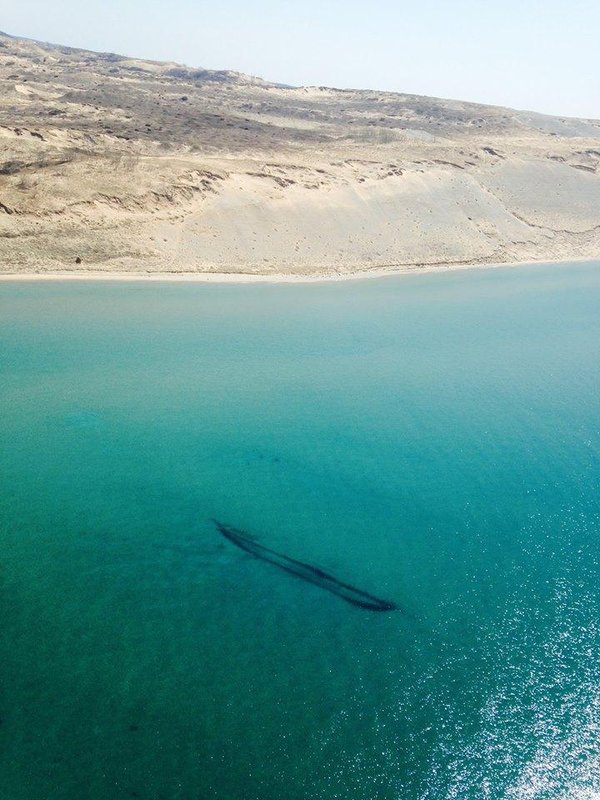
point(116, 164)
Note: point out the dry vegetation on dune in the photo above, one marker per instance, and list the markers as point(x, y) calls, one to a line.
point(112, 163)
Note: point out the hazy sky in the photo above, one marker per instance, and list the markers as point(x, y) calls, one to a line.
point(542, 55)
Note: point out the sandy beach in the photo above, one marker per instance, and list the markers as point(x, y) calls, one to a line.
point(237, 277)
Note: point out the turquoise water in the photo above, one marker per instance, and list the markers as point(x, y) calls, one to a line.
point(433, 440)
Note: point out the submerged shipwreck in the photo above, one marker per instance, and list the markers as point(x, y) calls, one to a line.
point(307, 572)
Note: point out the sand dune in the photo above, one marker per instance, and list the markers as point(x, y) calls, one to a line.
point(122, 165)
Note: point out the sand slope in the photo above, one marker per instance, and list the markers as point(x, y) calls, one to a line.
point(109, 163)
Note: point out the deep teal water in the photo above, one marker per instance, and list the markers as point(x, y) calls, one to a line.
point(432, 439)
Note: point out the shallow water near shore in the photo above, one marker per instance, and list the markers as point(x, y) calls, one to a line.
point(433, 440)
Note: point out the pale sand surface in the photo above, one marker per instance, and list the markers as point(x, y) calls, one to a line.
point(110, 164)
point(238, 277)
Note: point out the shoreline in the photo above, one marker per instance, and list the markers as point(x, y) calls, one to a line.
point(241, 277)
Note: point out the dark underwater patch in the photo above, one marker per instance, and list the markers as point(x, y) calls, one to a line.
point(307, 572)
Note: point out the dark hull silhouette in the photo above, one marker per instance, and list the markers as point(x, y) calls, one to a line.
point(305, 571)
